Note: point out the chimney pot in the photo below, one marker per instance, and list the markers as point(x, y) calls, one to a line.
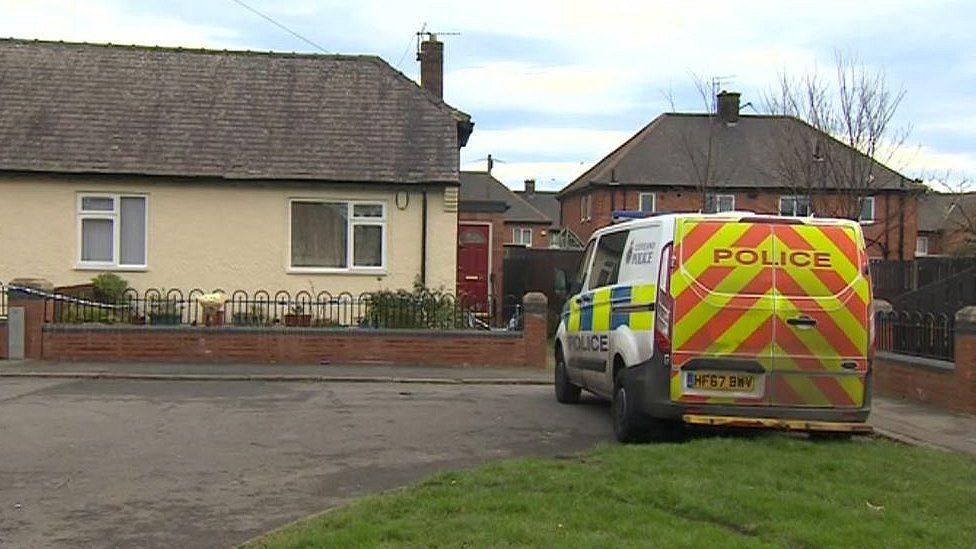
point(530, 186)
point(431, 57)
point(728, 106)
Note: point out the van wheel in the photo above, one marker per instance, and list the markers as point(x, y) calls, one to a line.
point(627, 421)
point(566, 391)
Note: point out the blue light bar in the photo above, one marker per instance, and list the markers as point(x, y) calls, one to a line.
point(626, 215)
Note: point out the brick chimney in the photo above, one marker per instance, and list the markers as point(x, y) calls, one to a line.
point(728, 107)
point(431, 57)
point(530, 186)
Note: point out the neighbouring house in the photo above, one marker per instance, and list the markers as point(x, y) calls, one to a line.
point(547, 202)
point(491, 217)
point(182, 168)
point(726, 161)
point(946, 222)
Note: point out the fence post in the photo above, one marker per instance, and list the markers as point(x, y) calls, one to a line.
point(534, 332)
point(29, 308)
point(965, 360)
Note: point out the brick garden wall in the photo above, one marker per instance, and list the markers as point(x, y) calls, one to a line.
point(280, 345)
point(947, 385)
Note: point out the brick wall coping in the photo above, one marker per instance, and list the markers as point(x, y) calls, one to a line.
point(908, 360)
point(506, 334)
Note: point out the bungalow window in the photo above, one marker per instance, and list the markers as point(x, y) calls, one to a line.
point(867, 210)
point(337, 235)
point(797, 206)
point(522, 236)
point(112, 231)
point(647, 202)
point(718, 203)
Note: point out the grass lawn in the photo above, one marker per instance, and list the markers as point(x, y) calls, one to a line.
point(770, 490)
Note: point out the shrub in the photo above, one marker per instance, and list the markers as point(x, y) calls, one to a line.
point(109, 287)
point(419, 308)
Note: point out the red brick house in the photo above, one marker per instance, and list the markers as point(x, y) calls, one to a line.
point(490, 217)
point(726, 161)
point(945, 224)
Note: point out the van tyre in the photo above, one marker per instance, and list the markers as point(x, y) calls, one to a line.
point(628, 423)
point(566, 391)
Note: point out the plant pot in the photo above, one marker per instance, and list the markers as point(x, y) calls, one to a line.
point(165, 319)
point(303, 321)
point(246, 319)
point(213, 318)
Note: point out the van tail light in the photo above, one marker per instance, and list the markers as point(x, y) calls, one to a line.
point(866, 271)
point(664, 308)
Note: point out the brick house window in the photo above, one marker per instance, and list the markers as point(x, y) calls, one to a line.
point(867, 210)
point(337, 236)
point(647, 202)
point(718, 203)
point(797, 206)
point(112, 231)
point(522, 236)
point(586, 211)
point(922, 245)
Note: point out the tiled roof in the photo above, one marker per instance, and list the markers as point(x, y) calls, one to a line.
point(935, 210)
point(748, 154)
point(544, 201)
point(86, 108)
point(482, 186)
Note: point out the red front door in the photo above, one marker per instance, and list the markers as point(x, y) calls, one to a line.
point(472, 261)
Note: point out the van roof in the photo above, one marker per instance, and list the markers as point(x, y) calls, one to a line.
point(728, 216)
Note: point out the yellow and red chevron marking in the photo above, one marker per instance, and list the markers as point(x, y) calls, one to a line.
point(743, 309)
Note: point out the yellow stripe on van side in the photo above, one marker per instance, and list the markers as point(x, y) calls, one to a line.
point(642, 294)
point(601, 310)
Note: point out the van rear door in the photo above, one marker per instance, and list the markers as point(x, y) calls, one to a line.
point(823, 295)
point(722, 292)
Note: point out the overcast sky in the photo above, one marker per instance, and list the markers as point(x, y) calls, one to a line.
point(554, 86)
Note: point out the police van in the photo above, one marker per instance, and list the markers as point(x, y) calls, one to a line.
point(732, 319)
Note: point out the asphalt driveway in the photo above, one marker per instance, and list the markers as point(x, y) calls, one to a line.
point(213, 463)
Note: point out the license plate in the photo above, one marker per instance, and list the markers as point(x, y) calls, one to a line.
point(723, 382)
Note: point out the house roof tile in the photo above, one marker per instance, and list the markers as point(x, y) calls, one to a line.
point(748, 154)
point(87, 108)
point(481, 186)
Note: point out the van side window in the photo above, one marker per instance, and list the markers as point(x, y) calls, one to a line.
point(584, 265)
point(606, 261)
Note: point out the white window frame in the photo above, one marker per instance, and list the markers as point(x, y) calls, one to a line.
point(717, 197)
point(861, 208)
point(586, 209)
point(918, 247)
point(351, 224)
point(640, 202)
point(114, 216)
point(518, 233)
point(794, 198)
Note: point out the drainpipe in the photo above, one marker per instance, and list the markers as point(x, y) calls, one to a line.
point(901, 226)
point(423, 240)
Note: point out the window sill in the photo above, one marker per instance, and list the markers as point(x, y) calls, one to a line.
point(113, 268)
point(871, 222)
point(353, 272)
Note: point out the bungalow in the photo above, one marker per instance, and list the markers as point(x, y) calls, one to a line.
point(182, 168)
point(726, 161)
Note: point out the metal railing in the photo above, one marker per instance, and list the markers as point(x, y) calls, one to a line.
point(424, 310)
point(927, 335)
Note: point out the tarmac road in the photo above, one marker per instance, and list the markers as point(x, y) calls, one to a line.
point(187, 464)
